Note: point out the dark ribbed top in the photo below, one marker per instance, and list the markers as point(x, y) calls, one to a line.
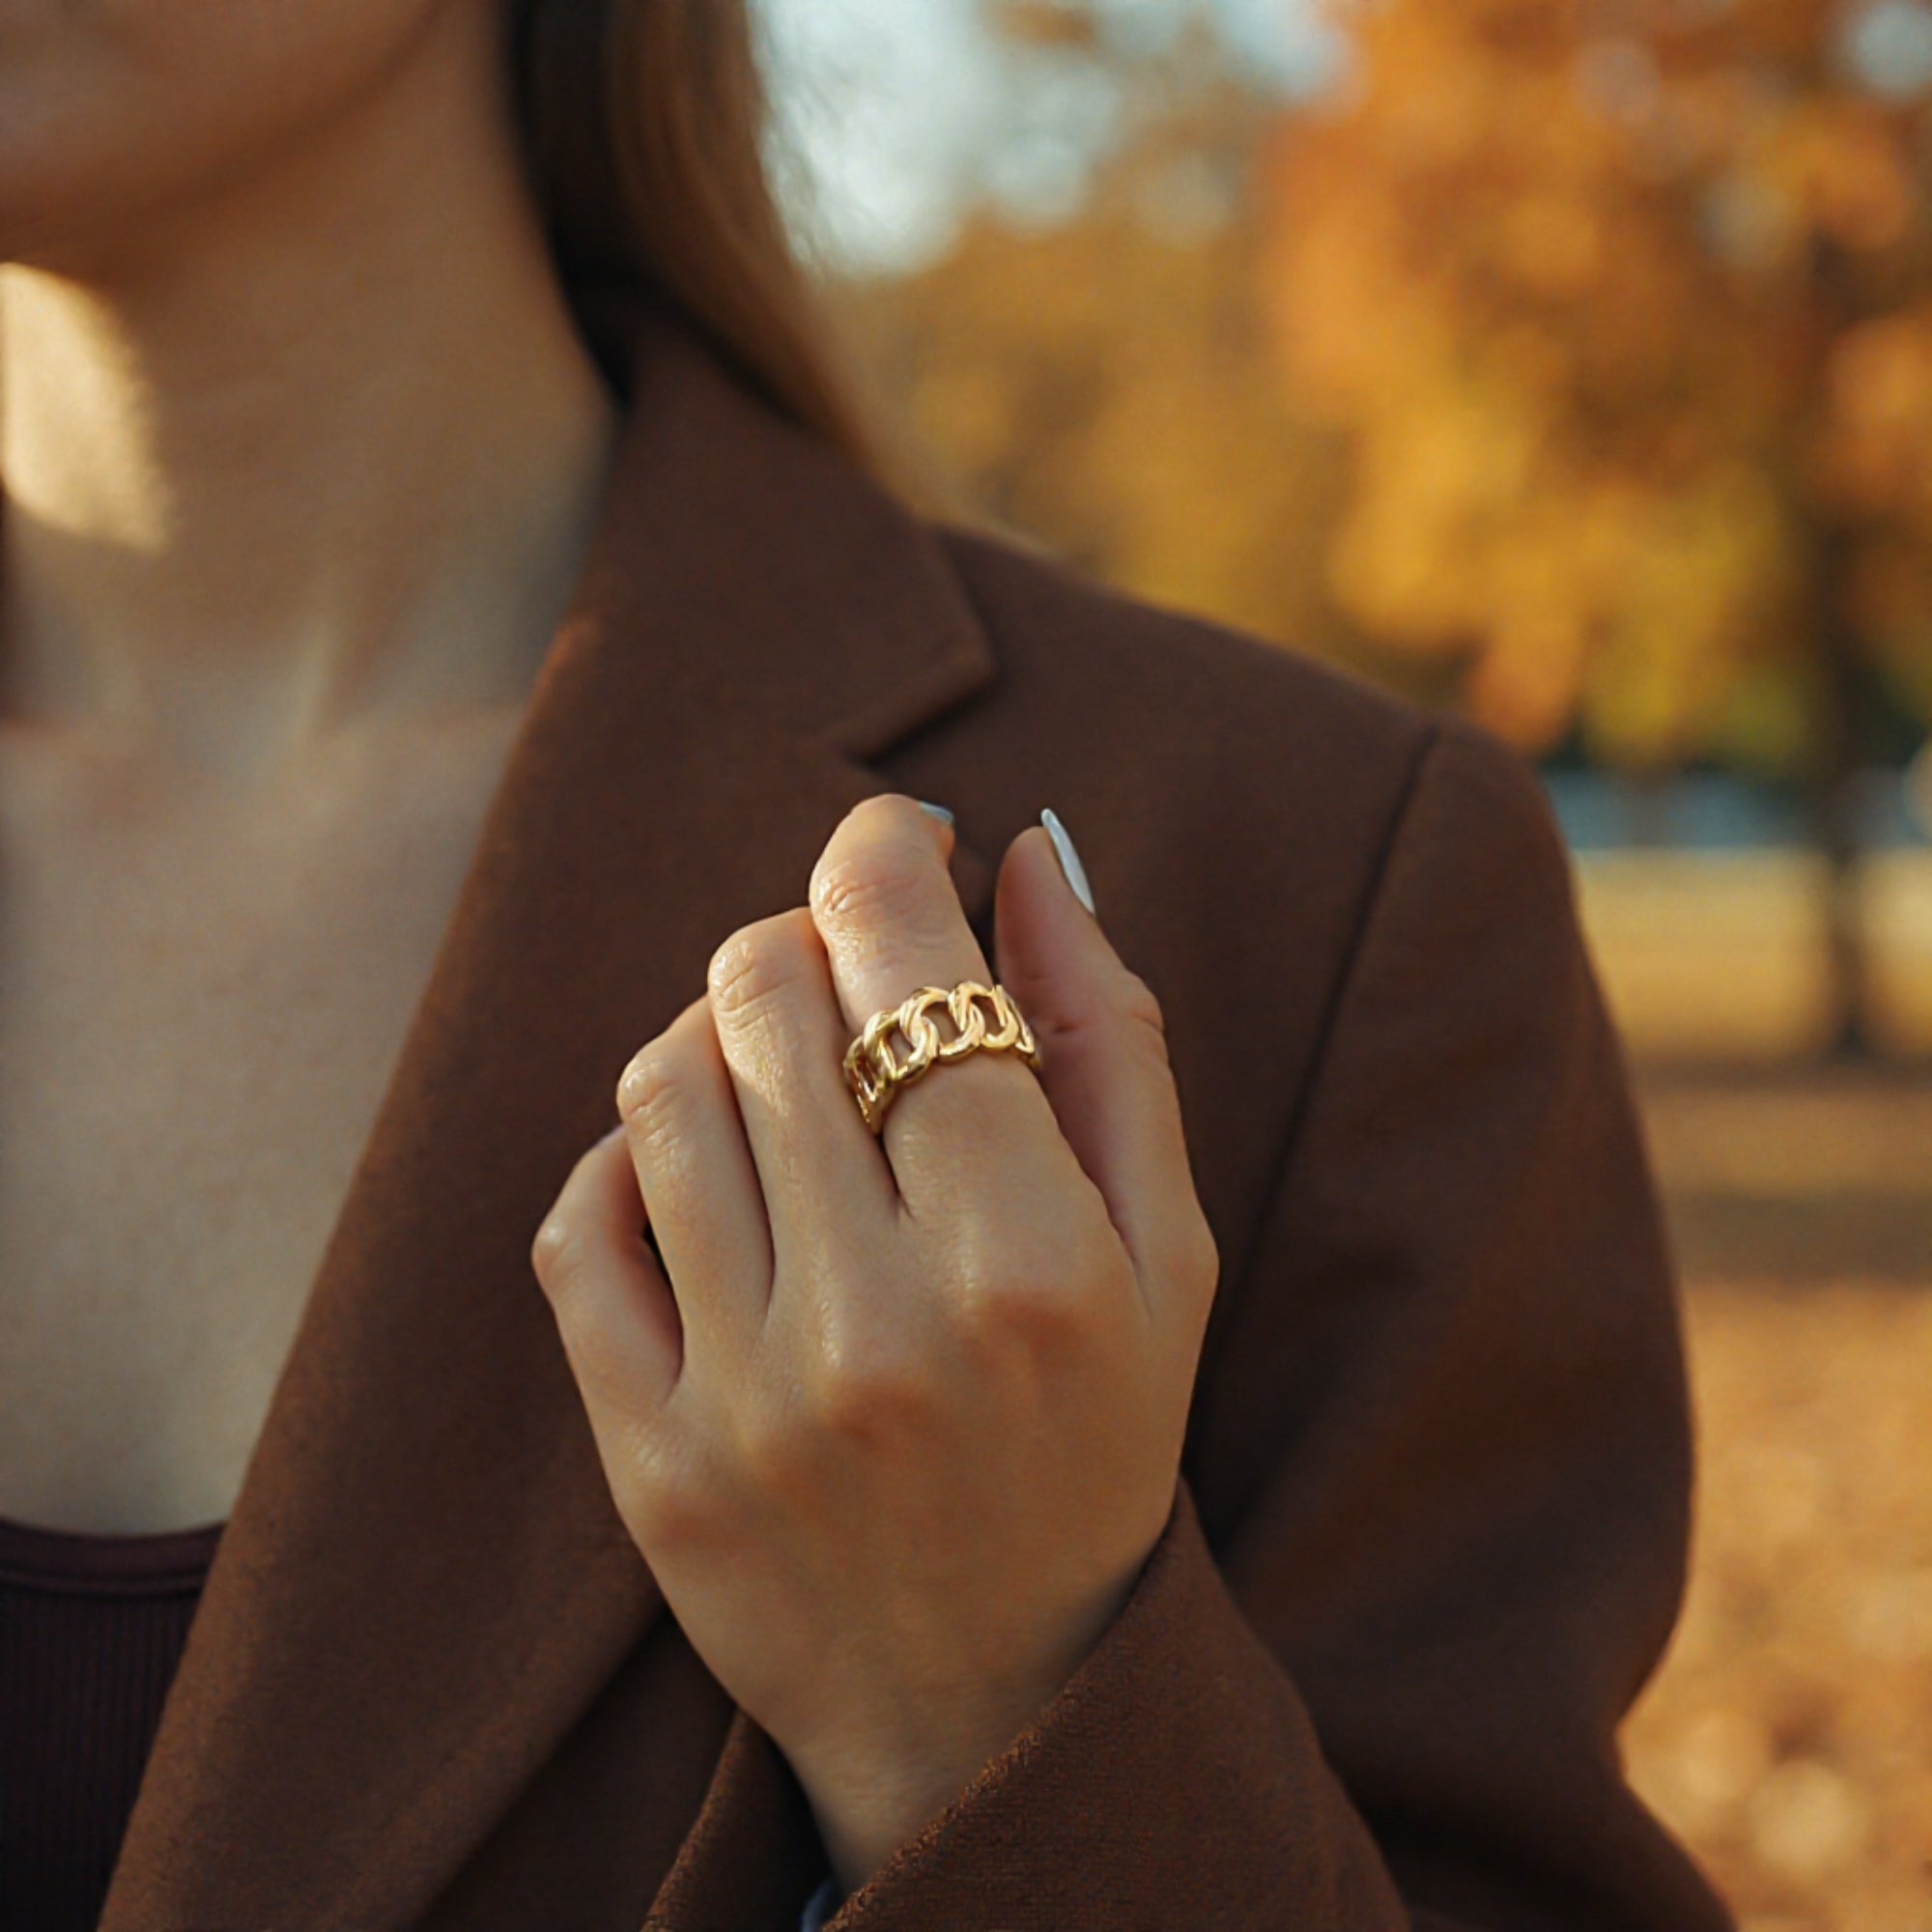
point(91, 1631)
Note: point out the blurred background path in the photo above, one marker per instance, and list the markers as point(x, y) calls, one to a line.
point(1789, 1735)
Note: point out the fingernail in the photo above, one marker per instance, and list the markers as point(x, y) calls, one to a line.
point(1070, 859)
point(938, 811)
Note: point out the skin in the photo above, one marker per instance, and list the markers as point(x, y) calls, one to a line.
point(898, 1420)
point(301, 450)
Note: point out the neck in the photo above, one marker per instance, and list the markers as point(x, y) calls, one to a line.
point(329, 450)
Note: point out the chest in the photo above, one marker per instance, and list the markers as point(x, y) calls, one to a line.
point(199, 1011)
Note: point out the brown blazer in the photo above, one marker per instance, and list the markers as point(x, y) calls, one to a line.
point(1431, 1533)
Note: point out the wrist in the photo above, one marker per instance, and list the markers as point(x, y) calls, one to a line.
point(869, 1796)
point(872, 1792)
point(875, 1786)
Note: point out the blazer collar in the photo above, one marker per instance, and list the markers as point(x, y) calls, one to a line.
point(424, 1582)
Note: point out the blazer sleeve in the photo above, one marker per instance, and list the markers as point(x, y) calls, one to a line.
point(1429, 1536)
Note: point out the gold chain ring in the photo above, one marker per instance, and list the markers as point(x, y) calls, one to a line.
point(875, 1073)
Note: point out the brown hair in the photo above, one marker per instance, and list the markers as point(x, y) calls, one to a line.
point(646, 125)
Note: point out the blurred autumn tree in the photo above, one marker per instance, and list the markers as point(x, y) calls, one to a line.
point(1625, 306)
point(1570, 359)
point(1103, 379)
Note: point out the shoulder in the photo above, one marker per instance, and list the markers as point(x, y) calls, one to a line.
point(1185, 684)
point(1255, 822)
point(1242, 759)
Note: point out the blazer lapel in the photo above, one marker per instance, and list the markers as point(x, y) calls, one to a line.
point(424, 1582)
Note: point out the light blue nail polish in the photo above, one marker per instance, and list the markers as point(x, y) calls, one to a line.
point(1070, 859)
point(938, 811)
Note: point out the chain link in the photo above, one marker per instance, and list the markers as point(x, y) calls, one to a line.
point(876, 1072)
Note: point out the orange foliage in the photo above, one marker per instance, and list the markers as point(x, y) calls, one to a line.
point(1105, 385)
point(1627, 312)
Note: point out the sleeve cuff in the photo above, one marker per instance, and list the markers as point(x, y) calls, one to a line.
point(1178, 1764)
point(1175, 1776)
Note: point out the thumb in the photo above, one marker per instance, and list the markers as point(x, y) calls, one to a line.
point(1103, 1060)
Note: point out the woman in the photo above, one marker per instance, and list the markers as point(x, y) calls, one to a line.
point(464, 665)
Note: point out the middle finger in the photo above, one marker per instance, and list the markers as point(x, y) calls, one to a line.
point(885, 906)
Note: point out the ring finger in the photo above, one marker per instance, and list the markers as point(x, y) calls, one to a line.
point(699, 1186)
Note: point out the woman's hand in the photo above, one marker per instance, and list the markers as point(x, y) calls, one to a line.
point(901, 1428)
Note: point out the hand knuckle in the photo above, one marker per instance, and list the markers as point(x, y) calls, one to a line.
point(1193, 1263)
point(1028, 1315)
point(871, 885)
point(755, 966)
point(1141, 1008)
point(1198, 1263)
point(768, 1446)
point(1031, 1290)
point(652, 1092)
point(553, 1232)
point(556, 1253)
point(667, 1504)
point(869, 1388)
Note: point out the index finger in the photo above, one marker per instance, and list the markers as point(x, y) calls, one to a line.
point(885, 906)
